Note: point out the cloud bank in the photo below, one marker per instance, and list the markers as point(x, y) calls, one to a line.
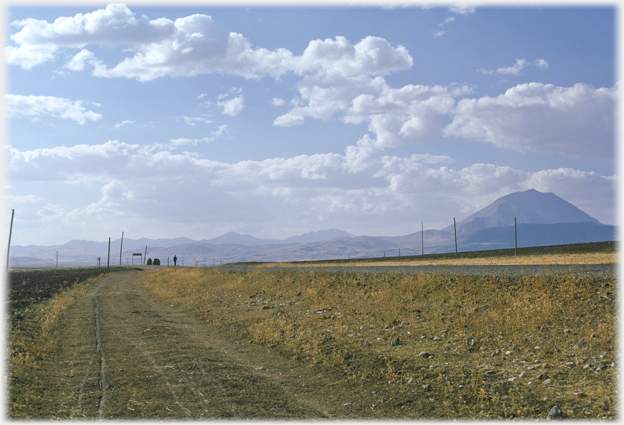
point(188, 46)
point(358, 186)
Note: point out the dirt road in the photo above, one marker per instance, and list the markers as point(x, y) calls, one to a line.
point(120, 353)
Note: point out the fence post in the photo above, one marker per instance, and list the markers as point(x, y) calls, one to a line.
point(108, 262)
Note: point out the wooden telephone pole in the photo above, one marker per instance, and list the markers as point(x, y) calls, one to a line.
point(455, 231)
point(121, 248)
point(10, 234)
point(515, 238)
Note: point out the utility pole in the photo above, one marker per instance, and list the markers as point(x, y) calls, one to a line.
point(455, 231)
point(145, 258)
point(108, 262)
point(422, 238)
point(121, 248)
point(57, 259)
point(10, 234)
point(515, 238)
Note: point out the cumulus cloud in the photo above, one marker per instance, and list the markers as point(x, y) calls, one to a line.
point(278, 102)
point(37, 106)
point(288, 120)
point(541, 63)
point(515, 69)
point(232, 106)
point(371, 56)
point(409, 114)
point(188, 46)
point(575, 121)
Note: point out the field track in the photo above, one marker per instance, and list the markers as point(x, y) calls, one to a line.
point(121, 354)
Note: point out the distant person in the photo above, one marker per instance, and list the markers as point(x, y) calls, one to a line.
point(175, 260)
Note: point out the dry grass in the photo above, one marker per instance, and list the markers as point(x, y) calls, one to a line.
point(498, 347)
point(549, 259)
point(31, 340)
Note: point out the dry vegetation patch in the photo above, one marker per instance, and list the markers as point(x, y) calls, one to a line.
point(31, 343)
point(422, 345)
point(537, 259)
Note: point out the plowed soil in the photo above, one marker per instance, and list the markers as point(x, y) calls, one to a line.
point(121, 353)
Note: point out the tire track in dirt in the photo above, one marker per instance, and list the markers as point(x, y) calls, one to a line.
point(76, 371)
point(132, 357)
point(102, 360)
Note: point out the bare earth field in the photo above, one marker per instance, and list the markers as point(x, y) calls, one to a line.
point(189, 343)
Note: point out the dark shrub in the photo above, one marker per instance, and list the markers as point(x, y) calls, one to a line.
point(149, 261)
point(156, 262)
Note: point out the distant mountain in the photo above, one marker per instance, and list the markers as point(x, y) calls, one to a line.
point(310, 237)
point(529, 207)
point(320, 236)
point(237, 238)
point(542, 219)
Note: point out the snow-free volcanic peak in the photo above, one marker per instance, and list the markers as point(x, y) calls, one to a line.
point(529, 207)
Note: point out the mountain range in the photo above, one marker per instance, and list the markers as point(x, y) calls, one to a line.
point(541, 219)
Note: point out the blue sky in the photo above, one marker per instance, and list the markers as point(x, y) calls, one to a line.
point(276, 121)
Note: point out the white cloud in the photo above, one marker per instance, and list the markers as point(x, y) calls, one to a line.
point(574, 121)
point(188, 46)
point(278, 102)
point(541, 63)
point(289, 120)
point(38, 106)
point(395, 116)
point(463, 9)
point(515, 69)
point(124, 122)
point(232, 106)
point(438, 33)
point(371, 56)
point(194, 120)
point(218, 133)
